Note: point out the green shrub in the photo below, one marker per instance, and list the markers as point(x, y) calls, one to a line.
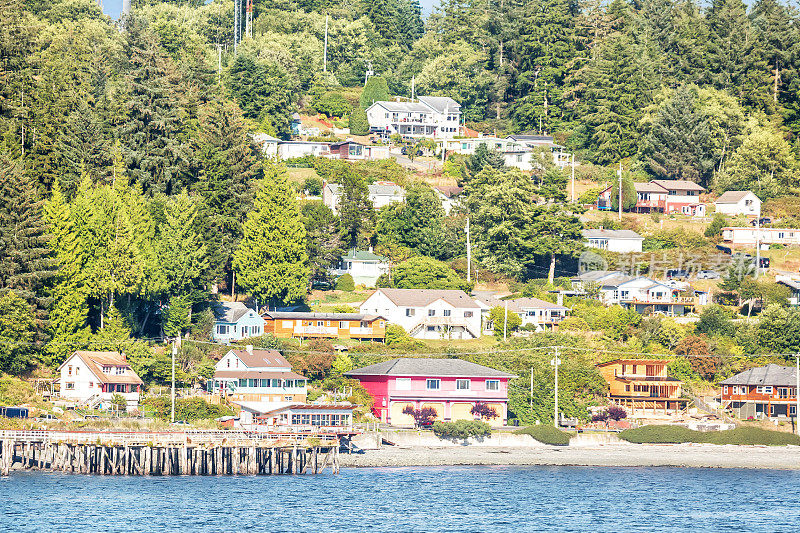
point(661, 434)
point(345, 283)
point(546, 435)
point(461, 429)
point(357, 122)
point(188, 409)
point(331, 104)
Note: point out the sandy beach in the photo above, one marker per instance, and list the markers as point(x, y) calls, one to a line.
point(627, 455)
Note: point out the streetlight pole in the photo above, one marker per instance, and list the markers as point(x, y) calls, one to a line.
point(174, 351)
point(573, 177)
point(469, 252)
point(758, 243)
point(797, 393)
point(555, 362)
point(619, 191)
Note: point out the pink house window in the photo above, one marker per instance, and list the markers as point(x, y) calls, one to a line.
point(492, 384)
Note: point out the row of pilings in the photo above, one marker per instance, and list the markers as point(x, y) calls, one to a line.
point(212, 458)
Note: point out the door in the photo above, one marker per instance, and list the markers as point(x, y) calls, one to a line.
point(397, 417)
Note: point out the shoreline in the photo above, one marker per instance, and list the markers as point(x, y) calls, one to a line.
point(622, 455)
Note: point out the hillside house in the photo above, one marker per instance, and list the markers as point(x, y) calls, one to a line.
point(292, 149)
point(540, 314)
point(745, 237)
point(764, 392)
point(280, 416)
point(451, 387)
point(257, 375)
point(663, 196)
point(448, 195)
point(433, 117)
point(642, 385)
point(794, 286)
point(93, 378)
point(427, 313)
point(298, 325)
point(613, 240)
point(738, 203)
point(381, 193)
point(235, 321)
point(364, 265)
point(645, 295)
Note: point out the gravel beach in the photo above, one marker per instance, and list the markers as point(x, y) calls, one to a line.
point(681, 455)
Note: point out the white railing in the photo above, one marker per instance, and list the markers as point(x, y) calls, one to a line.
point(162, 438)
point(316, 330)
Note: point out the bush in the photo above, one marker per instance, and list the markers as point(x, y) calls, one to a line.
point(715, 228)
point(313, 185)
point(345, 283)
point(747, 436)
point(482, 411)
point(461, 429)
point(546, 435)
point(422, 417)
point(188, 409)
point(357, 122)
point(498, 316)
point(331, 104)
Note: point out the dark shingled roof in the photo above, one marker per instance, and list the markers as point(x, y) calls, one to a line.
point(408, 366)
point(771, 374)
point(229, 311)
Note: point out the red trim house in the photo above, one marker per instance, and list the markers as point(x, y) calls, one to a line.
point(664, 196)
point(450, 386)
point(764, 392)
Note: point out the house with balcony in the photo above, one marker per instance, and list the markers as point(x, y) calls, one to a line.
point(381, 193)
point(298, 325)
point(235, 321)
point(451, 387)
point(738, 203)
point(93, 378)
point(433, 117)
point(747, 236)
point(763, 392)
point(642, 386)
point(613, 240)
point(647, 296)
point(283, 416)
point(663, 196)
point(427, 313)
point(257, 375)
point(540, 314)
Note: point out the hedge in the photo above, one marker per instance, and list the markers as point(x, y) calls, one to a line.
point(663, 434)
point(546, 435)
point(461, 429)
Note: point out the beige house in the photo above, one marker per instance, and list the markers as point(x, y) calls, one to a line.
point(93, 378)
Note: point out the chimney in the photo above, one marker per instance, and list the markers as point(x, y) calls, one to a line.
point(370, 249)
point(249, 349)
point(560, 298)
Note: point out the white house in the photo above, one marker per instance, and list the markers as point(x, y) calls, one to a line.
point(448, 195)
point(645, 295)
point(532, 311)
point(614, 240)
point(235, 321)
point(518, 151)
point(93, 378)
point(427, 313)
point(268, 144)
point(257, 375)
point(381, 193)
point(365, 267)
point(738, 203)
point(306, 417)
point(292, 149)
point(794, 287)
point(434, 117)
point(747, 236)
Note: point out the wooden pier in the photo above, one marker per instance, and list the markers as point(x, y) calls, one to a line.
point(186, 453)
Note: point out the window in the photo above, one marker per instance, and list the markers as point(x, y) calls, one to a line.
point(432, 384)
point(320, 323)
point(467, 314)
point(222, 329)
point(410, 312)
point(768, 389)
point(120, 370)
point(243, 383)
point(431, 312)
point(229, 362)
point(627, 388)
point(276, 383)
point(91, 384)
point(402, 384)
point(288, 398)
point(342, 325)
point(77, 370)
point(462, 384)
point(492, 384)
point(69, 370)
point(725, 389)
point(431, 328)
point(446, 312)
point(70, 386)
point(106, 369)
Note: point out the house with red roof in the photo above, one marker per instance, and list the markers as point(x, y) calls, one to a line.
point(257, 375)
point(93, 378)
point(663, 196)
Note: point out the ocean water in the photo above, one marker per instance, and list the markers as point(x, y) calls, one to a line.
point(446, 499)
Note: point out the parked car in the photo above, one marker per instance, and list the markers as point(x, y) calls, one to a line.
point(677, 273)
point(764, 220)
point(708, 274)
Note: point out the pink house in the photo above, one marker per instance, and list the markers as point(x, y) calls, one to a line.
point(450, 386)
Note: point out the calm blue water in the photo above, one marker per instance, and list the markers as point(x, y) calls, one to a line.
point(469, 499)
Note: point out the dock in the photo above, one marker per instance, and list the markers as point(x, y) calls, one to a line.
point(184, 453)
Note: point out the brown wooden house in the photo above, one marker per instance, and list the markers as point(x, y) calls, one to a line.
point(642, 384)
point(300, 325)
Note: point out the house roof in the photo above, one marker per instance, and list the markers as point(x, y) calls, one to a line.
point(379, 188)
point(256, 374)
point(732, 197)
point(96, 360)
point(402, 107)
point(449, 191)
point(280, 315)
point(229, 311)
point(442, 104)
point(635, 362)
point(310, 407)
point(407, 366)
point(342, 143)
point(260, 358)
point(648, 186)
point(679, 185)
point(771, 374)
point(596, 275)
point(424, 297)
point(535, 303)
point(532, 138)
point(611, 234)
point(792, 284)
point(363, 255)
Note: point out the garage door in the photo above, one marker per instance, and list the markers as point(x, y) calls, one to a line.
point(461, 411)
point(439, 409)
point(398, 418)
point(496, 422)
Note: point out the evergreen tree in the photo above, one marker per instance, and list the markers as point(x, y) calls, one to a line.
point(271, 258)
point(323, 245)
point(264, 90)
point(375, 90)
point(17, 334)
point(357, 122)
point(355, 210)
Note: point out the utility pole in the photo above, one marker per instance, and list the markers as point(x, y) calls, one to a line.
point(573, 177)
point(758, 244)
point(555, 362)
point(174, 352)
point(219, 63)
point(505, 323)
point(248, 21)
point(412, 88)
point(237, 24)
point(531, 391)
point(619, 191)
point(469, 253)
point(797, 392)
point(325, 49)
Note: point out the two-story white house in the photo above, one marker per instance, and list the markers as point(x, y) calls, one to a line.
point(645, 295)
point(235, 321)
point(365, 266)
point(93, 378)
point(540, 314)
point(738, 203)
point(257, 375)
point(428, 313)
point(381, 193)
point(436, 117)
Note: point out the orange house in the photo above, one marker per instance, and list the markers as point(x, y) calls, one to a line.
point(642, 384)
point(285, 325)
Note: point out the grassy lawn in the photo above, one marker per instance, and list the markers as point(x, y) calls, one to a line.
point(678, 434)
point(456, 344)
point(546, 435)
point(299, 175)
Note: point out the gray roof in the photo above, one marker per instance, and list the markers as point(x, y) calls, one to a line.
point(423, 297)
point(771, 374)
point(300, 315)
point(403, 107)
point(611, 234)
point(679, 185)
point(648, 186)
point(534, 303)
point(792, 284)
point(732, 197)
point(229, 311)
point(375, 189)
point(532, 138)
point(408, 366)
point(364, 255)
point(441, 104)
point(595, 275)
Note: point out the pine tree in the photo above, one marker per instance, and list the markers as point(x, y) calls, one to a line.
point(17, 334)
point(357, 122)
point(271, 259)
point(355, 210)
point(779, 45)
point(375, 90)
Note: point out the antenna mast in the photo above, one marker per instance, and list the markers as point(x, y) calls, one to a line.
point(237, 24)
point(248, 28)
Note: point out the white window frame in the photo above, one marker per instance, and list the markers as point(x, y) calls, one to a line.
point(460, 382)
point(402, 383)
point(429, 384)
point(492, 384)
